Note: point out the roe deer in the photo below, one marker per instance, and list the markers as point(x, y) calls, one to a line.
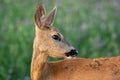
point(49, 42)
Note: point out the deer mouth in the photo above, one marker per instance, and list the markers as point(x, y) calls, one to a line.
point(72, 53)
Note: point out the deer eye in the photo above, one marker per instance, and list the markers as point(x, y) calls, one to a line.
point(56, 37)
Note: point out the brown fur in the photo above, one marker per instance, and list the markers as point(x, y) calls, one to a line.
point(69, 69)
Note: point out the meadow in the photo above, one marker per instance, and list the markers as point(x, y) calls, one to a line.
point(91, 26)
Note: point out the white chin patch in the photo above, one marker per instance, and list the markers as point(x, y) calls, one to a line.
point(70, 57)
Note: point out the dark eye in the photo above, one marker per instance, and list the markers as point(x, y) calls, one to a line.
point(56, 37)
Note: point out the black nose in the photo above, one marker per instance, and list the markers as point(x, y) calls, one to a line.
point(72, 53)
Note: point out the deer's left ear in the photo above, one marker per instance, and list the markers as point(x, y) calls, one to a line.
point(39, 16)
point(50, 17)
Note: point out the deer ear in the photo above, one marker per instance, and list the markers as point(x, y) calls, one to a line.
point(50, 17)
point(39, 15)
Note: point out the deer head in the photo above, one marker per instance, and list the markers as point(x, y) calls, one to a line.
point(48, 39)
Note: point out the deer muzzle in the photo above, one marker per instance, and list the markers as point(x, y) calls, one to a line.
point(72, 53)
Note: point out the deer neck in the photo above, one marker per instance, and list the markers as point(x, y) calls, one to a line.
point(39, 63)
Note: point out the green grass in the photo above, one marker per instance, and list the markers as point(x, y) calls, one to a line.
point(92, 26)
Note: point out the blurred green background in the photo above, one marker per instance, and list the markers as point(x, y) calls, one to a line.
point(91, 26)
